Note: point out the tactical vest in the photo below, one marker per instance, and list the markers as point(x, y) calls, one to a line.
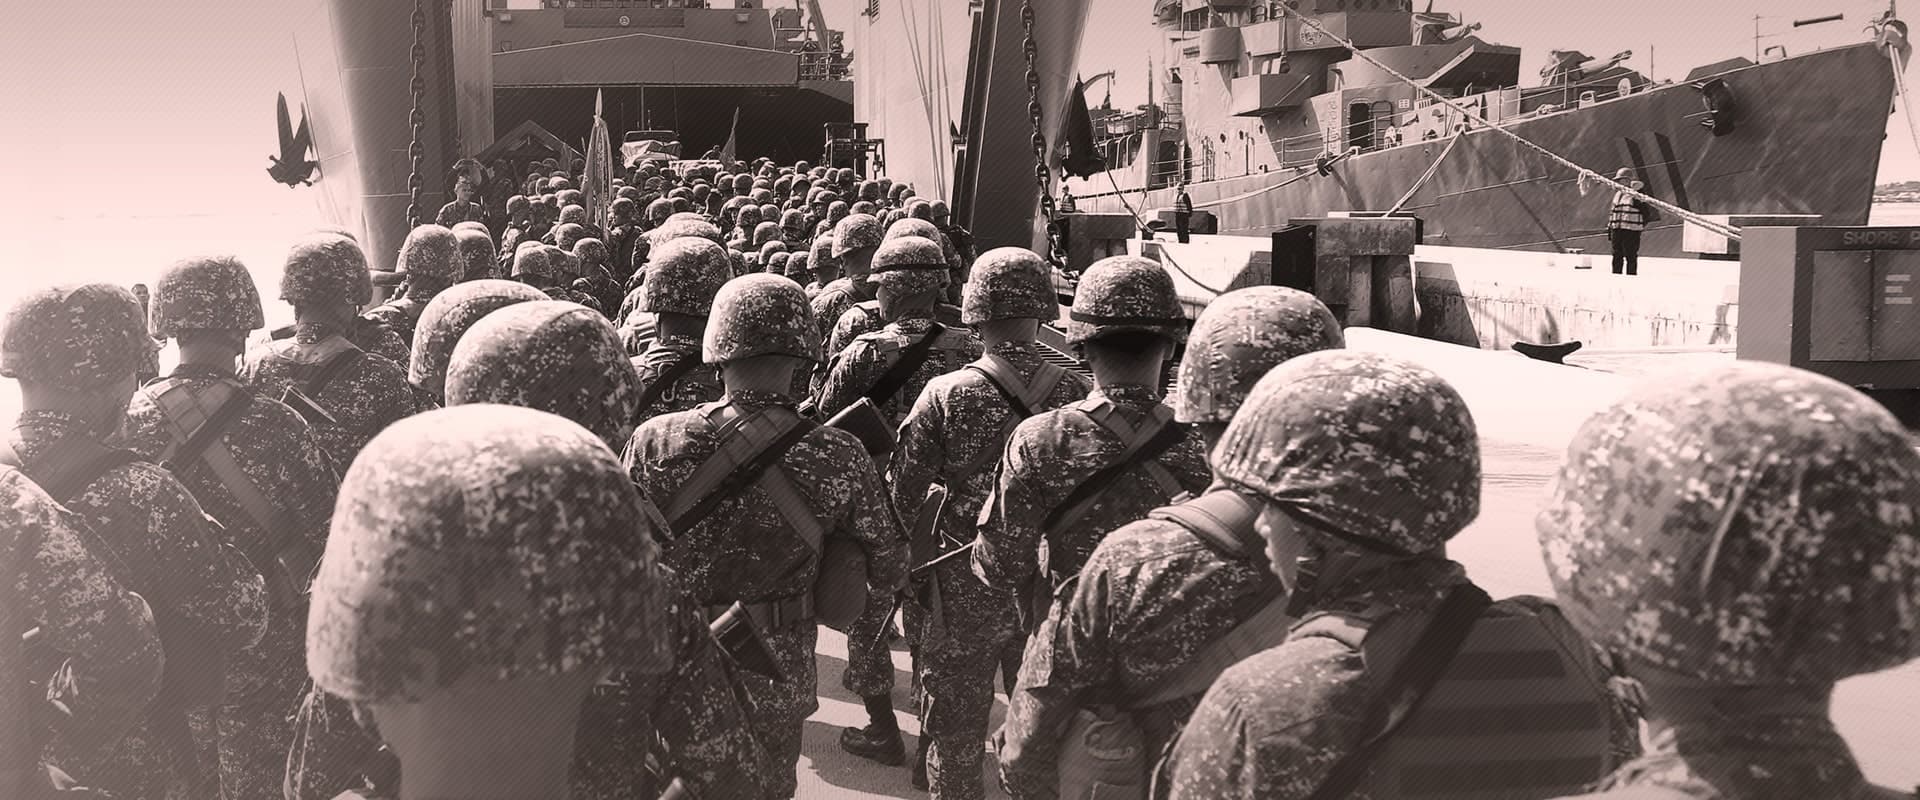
point(1522, 711)
point(1104, 755)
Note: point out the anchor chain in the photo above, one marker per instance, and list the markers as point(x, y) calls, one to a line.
point(1042, 176)
point(416, 117)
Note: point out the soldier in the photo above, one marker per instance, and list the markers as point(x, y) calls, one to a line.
point(366, 334)
point(1155, 595)
point(824, 269)
point(462, 208)
point(1362, 466)
point(1070, 476)
point(749, 221)
point(258, 469)
point(477, 259)
point(519, 221)
point(953, 436)
point(596, 280)
point(863, 317)
point(761, 544)
point(1742, 539)
point(430, 261)
point(625, 240)
point(447, 318)
point(796, 268)
point(887, 367)
point(81, 618)
point(566, 269)
point(346, 393)
point(549, 536)
point(777, 263)
point(681, 283)
point(962, 239)
point(558, 358)
point(855, 241)
point(74, 351)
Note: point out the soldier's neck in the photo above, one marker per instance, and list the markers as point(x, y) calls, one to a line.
point(208, 355)
point(333, 316)
point(488, 741)
point(98, 413)
point(770, 374)
point(667, 323)
point(994, 333)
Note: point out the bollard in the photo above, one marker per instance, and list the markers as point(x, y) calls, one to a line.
point(1361, 267)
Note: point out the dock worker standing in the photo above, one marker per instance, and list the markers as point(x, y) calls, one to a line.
point(1625, 220)
point(1182, 212)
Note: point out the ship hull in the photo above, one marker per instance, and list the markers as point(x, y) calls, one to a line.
point(1807, 140)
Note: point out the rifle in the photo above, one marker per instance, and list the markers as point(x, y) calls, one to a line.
point(739, 639)
point(862, 419)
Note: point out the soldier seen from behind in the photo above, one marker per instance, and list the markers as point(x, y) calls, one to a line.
point(682, 279)
point(489, 565)
point(257, 467)
point(1070, 476)
point(1400, 671)
point(429, 262)
point(447, 318)
point(1743, 539)
point(74, 350)
point(758, 499)
point(347, 394)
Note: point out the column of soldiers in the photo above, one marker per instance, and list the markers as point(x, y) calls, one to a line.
point(565, 516)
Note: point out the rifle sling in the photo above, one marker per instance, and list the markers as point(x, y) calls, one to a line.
point(665, 380)
point(895, 378)
point(742, 476)
point(1164, 439)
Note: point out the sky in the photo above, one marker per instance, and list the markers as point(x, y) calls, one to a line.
point(172, 102)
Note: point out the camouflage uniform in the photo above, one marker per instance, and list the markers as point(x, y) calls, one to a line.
point(1752, 526)
point(682, 279)
point(153, 534)
point(557, 357)
point(277, 454)
point(100, 634)
point(953, 436)
point(430, 259)
point(598, 282)
point(448, 317)
point(854, 233)
point(744, 551)
point(367, 395)
point(1333, 436)
point(346, 257)
point(1154, 594)
point(1052, 453)
point(563, 556)
point(906, 267)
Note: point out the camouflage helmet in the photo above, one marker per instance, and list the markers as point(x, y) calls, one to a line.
point(430, 253)
point(761, 197)
point(682, 277)
point(918, 208)
point(592, 251)
point(568, 234)
point(563, 264)
point(749, 217)
point(1009, 283)
point(1239, 337)
point(856, 232)
point(682, 205)
point(793, 220)
point(75, 338)
point(448, 316)
point(555, 356)
point(742, 184)
point(326, 268)
point(1124, 293)
point(865, 207)
point(770, 213)
point(909, 265)
point(571, 197)
point(477, 256)
point(757, 315)
point(778, 261)
point(623, 208)
point(940, 210)
point(574, 214)
point(211, 294)
point(765, 232)
point(769, 248)
point(869, 191)
point(914, 227)
point(1373, 452)
point(821, 253)
point(1750, 524)
point(680, 229)
point(489, 543)
point(531, 259)
point(558, 184)
point(659, 210)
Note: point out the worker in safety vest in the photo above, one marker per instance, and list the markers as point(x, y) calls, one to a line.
point(1626, 219)
point(761, 544)
point(1072, 475)
point(429, 262)
point(682, 279)
point(888, 368)
point(1157, 595)
point(1742, 539)
point(556, 543)
point(85, 623)
point(257, 468)
point(346, 393)
point(563, 359)
point(1182, 212)
point(74, 350)
point(1362, 467)
point(953, 436)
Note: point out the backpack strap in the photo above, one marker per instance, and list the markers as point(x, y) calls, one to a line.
point(1157, 434)
point(70, 465)
point(1005, 379)
point(1223, 519)
point(749, 445)
point(911, 358)
point(665, 380)
point(1412, 677)
point(330, 370)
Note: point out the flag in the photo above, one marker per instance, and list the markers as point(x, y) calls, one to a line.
point(726, 150)
point(599, 177)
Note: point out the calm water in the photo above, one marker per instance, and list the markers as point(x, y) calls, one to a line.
point(1876, 712)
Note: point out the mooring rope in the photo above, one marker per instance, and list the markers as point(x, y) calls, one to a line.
point(1431, 169)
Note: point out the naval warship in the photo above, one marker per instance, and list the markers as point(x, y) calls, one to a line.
point(1272, 111)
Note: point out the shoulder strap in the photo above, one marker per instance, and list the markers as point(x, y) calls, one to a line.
point(911, 357)
point(1005, 378)
point(1264, 628)
point(1142, 447)
point(748, 446)
point(1222, 519)
point(70, 465)
point(665, 380)
point(331, 369)
point(1409, 683)
point(200, 438)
